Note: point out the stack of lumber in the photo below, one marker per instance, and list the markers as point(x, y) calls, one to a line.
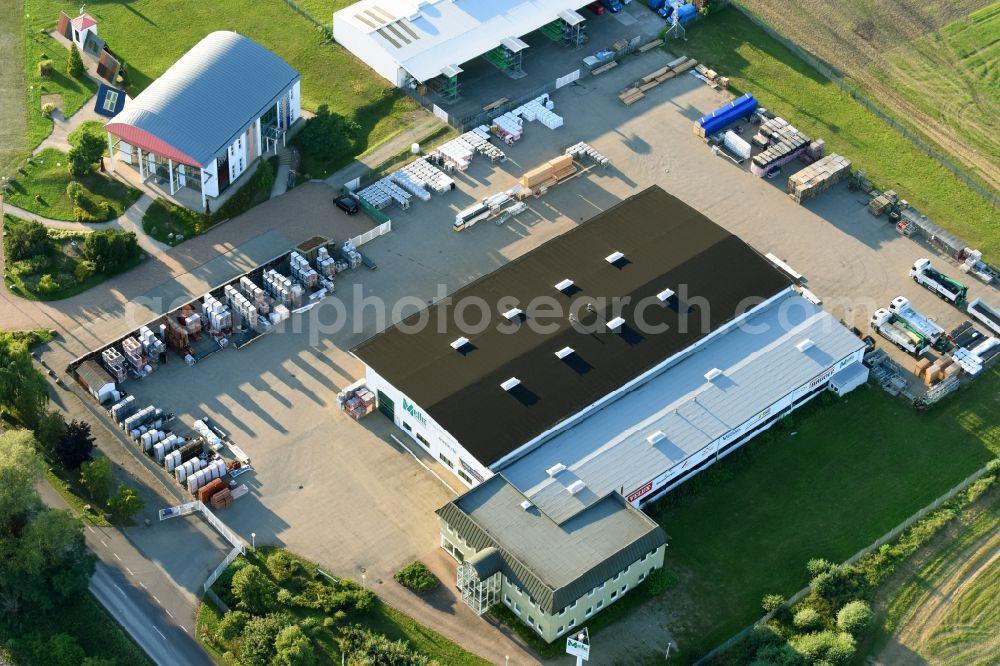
point(650, 45)
point(604, 68)
point(637, 91)
point(549, 173)
point(818, 177)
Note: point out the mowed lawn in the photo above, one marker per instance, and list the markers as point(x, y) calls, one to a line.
point(824, 483)
point(732, 45)
point(13, 140)
point(150, 35)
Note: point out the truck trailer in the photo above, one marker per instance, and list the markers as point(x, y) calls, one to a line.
point(902, 308)
point(985, 313)
point(898, 332)
point(947, 289)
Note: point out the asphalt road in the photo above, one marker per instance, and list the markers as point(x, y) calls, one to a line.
point(137, 595)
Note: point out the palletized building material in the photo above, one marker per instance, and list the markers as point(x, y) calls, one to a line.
point(582, 149)
point(785, 143)
point(115, 363)
point(132, 351)
point(818, 177)
point(725, 115)
point(736, 145)
point(158, 453)
point(123, 409)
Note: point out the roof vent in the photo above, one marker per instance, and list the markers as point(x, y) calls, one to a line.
point(525, 505)
point(555, 469)
point(510, 383)
point(615, 324)
point(665, 295)
point(712, 374)
point(805, 345)
point(564, 284)
point(657, 436)
point(513, 313)
point(564, 352)
point(614, 257)
point(458, 343)
point(576, 487)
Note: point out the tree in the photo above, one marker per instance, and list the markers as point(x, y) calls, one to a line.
point(365, 648)
point(23, 389)
point(63, 650)
point(125, 503)
point(254, 591)
point(97, 476)
point(20, 468)
point(110, 249)
point(293, 648)
point(772, 602)
point(74, 64)
point(51, 426)
point(26, 240)
point(75, 445)
point(328, 135)
point(807, 619)
point(827, 647)
point(85, 154)
point(259, 635)
point(232, 625)
point(854, 617)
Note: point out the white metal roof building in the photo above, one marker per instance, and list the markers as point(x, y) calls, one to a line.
point(423, 39)
point(209, 116)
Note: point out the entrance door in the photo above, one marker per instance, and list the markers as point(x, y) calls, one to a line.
point(386, 406)
point(222, 172)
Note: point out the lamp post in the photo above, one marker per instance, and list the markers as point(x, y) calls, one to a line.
point(364, 584)
point(253, 541)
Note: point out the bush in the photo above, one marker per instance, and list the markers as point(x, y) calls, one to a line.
point(259, 636)
point(47, 109)
point(817, 565)
point(76, 192)
point(48, 284)
point(26, 240)
point(232, 625)
point(84, 270)
point(837, 585)
point(416, 577)
point(253, 590)
point(293, 648)
point(780, 654)
point(81, 214)
point(772, 602)
point(854, 617)
point(807, 619)
point(85, 154)
point(284, 597)
point(826, 647)
point(282, 566)
point(45, 68)
point(659, 582)
point(110, 250)
point(366, 647)
point(74, 63)
point(256, 190)
point(63, 650)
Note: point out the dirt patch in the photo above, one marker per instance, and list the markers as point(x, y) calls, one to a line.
point(55, 99)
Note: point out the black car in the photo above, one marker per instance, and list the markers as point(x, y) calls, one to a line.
point(347, 203)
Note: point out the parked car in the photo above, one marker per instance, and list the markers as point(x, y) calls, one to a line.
point(347, 203)
point(596, 7)
point(614, 6)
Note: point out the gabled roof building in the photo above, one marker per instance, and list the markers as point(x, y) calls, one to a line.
point(620, 359)
point(202, 123)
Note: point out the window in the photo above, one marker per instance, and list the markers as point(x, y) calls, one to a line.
point(406, 427)
point(517, 609)
point(531, 621)
point(600, 603)
point(590, 611)
point(559, 629)
point(614, 593)
point(572, 621)
point(591, 593)
point(110, 101)
point(465, 477)
point(642, 576)
point(506, 599)
point(423, 441)
point(624, 589)
point(446, 461)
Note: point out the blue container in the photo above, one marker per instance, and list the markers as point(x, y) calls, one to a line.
point(686, 13)
point(656, 4)
point(726, 115)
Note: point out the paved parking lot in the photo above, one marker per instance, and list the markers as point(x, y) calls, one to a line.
point(344, 493)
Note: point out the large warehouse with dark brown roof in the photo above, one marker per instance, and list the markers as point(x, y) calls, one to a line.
point(617, 359)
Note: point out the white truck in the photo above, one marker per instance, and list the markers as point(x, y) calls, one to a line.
point(950, 290)
point(985, 313)
point(901, 307)
point(898, 332)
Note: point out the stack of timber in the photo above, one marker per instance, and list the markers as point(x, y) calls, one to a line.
point(818, 177)
point(638, 90)
point(550, 173)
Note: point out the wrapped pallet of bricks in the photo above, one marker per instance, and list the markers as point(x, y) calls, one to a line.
point(205, 492)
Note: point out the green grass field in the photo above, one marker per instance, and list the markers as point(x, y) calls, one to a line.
point(14, 128)
point(47, 177)
point(735, 47)
point(824, 483)
point(330, 74)
point(944, 607)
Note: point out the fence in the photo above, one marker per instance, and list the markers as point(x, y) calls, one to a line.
point(223, 529)
point(294, 6)
point(853, 559)
point(380, 230)
point(829, 72)
point(214, 576)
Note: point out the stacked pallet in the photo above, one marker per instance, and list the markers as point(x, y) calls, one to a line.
point(302, 271)
point(278, 286)
point(818, 177)
point(115, 363)
point(241, 305)
point(549, 173)
point(785, 143)
point(878, 204)
point(218, 315)
point(583, 149)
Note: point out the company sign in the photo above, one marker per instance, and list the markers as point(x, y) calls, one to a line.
point(822, 378)
point(468, 468)
point(640, 492)
point(577, 648)
point(411, 409)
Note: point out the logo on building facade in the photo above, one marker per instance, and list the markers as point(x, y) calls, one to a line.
point(411, 409)
point(640, 492)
